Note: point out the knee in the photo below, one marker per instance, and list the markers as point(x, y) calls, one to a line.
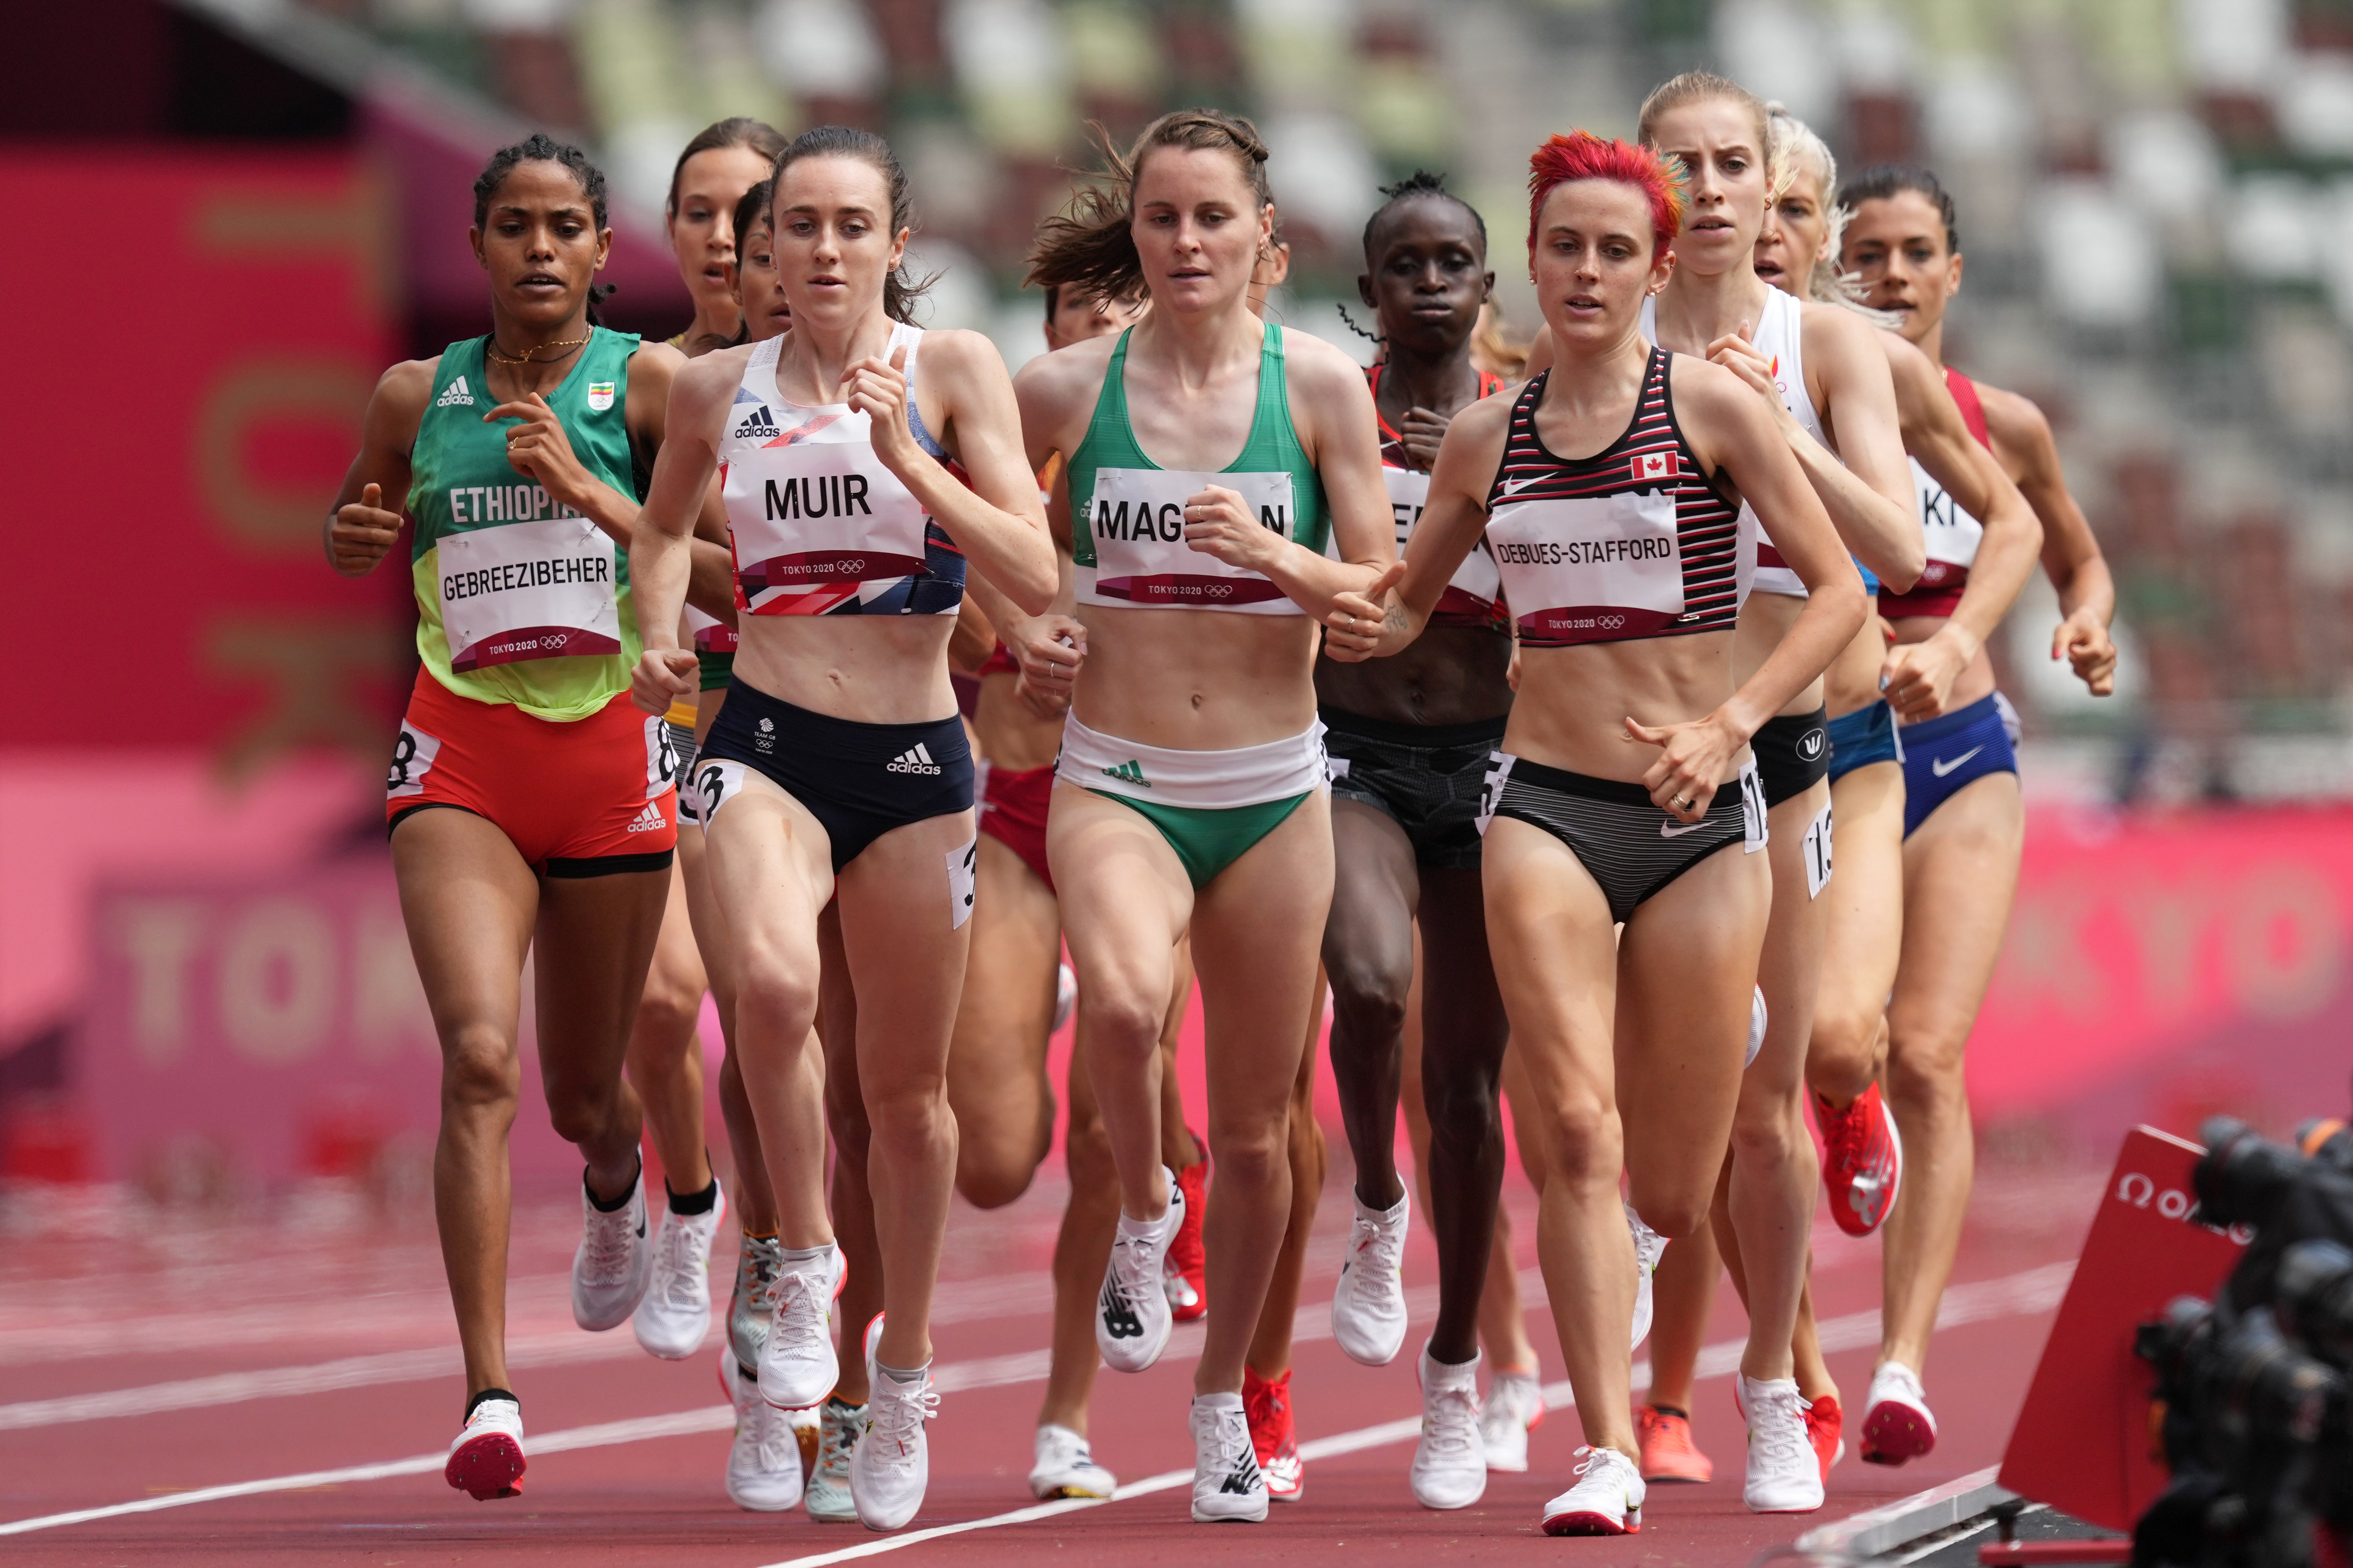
point(667, 1014)
point(1255, 1156)
point(1845, 1035)
point(993, 1165)
point(777, 994)
point(479, 1070)
point(911, 1107)
point(1584, 1145)
point(1675, 1215)
point(1765, 1129)
point(580, 1111)
point(1121, 1021)
point(1368, 1000)
point(1925, 1068)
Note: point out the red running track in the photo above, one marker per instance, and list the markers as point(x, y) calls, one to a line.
point(145, 1358)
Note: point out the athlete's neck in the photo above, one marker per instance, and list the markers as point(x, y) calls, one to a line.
point(547, 353)
point(1588, 385)
point(722, 320)
point(816, 355)
point(1932, 344)
point(1196, 346)
point(1444, 383)
point(1695, 312)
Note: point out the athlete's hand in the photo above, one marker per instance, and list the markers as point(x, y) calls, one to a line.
point(1218, 522)
point(1042, 704)
point(664, 675)
point(1692, 757)
point(2083, 641)
point(1736, 353)
point(1358, 624)
point(1917, 678)
point(1049, 649)
point(359, 534)
point(537, 447)
point(1421, 432)
point(878, 389)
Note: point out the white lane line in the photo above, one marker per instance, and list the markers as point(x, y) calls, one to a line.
point(2034, 1291)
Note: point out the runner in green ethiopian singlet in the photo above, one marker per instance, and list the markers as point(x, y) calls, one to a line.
point(1210, 455)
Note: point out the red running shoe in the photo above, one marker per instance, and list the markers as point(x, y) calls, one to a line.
point(1185, 1273)
point(1863, 1160)
point(1266, 1405)
point(1826, 1428)
point(1668, 1452)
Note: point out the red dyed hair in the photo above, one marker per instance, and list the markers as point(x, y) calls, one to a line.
point(1581, 155)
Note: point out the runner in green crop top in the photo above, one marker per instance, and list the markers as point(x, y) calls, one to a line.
point(1209, 456)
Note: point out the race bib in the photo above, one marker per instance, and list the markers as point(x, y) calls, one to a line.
point(543, 589)
point(1951, 535)
point(964, 872)
point(1135, 522)
point(1590, 568)
point(1816, 851)
point(710, 635)
point(1471, 592)
point(716, 780)
point(813, 521)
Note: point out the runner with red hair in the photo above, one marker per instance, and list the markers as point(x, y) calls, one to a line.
point(1610, 492)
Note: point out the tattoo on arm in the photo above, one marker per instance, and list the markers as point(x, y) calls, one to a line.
point(1395, 619)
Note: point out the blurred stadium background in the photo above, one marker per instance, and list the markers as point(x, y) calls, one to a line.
point(228, 215)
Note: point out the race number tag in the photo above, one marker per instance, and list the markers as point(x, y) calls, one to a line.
point(1755, 831)
point(964, 868)
point(541, 589)
point(1817, 852)
point(813, 523)
point(412, 759)
point(1469, 595)
point(662, 758)
point(715, 780)
point(1590, 568)
point(1136, 524)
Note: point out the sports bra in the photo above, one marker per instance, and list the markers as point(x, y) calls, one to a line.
point(1131, 551)
point(519, 599)
point(1952, 535)
point(818, 525)
point(1473, 595)
point(1634, 541)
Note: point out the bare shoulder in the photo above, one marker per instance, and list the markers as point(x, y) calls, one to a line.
point(960, 351)
point(716, 374)
point(2014, 420)
point(1839, 332)
point(1065, 377)
point(658, 360)
point(1710, 391)
point(1914, 372)
point(406, 387)
point(1485, 420)
point(1317, 361)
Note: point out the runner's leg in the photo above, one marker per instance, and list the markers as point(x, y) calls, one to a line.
point(996, 1079)
point(1464, 1032)
point(1308, 1157)
point(1368, 954)
point(665, 1057)
point(1863, 934)
point(851, 1197)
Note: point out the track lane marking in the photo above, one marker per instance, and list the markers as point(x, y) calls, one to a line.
point(2025, 1294)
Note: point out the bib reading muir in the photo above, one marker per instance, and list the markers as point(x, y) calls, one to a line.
point(519, 599)
point(1133, 550)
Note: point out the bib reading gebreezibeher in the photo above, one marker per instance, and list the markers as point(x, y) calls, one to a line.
point(519, 599)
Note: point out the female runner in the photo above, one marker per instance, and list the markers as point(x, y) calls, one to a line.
point(1862, 907)
point(1624, 569)
point(838, 767)
point(1408, 740)
point(517, 455)
point(665, 1061)
point(1190, 791)
point(1963, 824)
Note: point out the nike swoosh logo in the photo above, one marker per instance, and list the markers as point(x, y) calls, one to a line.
point(1669, 830)
point(1940, 767)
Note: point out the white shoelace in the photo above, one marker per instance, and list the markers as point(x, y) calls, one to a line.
point(1449, 1422)
point(1132, 1272)
point(608, 1237)
point(679, 1265)
point(1779, 1427)
point(801, 1298)
point(897, 1411)
point(1377, 1251)
point(1231, 1442)
point(772, 1436)
point(1598, 1465)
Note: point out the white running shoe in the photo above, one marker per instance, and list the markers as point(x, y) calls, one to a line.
point(1368, 1301)
point(1649, 1248)
point(486, 1460)
point(797, 1366)
point(1450, 1463)
point(1226, 1484)
point(1785, 1474)
point(674, 1314)
point(1757, 1021)
point(1066, 997)
point(892, 1463)
point(1066, 1467)
point(1515, 1407)
point(827, 1497)
point(614, 1262)
point(757, 1260)
point(1606, 1500)
point(1897, 1423)
point(764, 1465)
point(1132, 1317)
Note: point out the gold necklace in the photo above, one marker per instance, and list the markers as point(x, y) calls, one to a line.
point(504, 357)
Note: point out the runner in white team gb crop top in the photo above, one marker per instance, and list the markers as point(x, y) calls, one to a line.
point(1608, 801)
point(857, 487)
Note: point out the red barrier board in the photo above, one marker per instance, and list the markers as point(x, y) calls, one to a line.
point(2082, 1443)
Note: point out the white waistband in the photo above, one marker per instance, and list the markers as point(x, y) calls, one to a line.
point(1248, 775)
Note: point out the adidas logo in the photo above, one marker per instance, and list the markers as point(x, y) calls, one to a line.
point(758, 424)
point(650, 820)
point(456, 395)
point(918, 761)
point(1129, 772)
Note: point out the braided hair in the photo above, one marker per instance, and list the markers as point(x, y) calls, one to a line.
point(541, 148)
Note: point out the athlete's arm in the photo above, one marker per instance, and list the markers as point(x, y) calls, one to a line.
point(1050, 647)
point(361, 529)
point(1865, 484)
point(660, 549)
point(1397, 605)
point(996, 520)
point(1729, 429)
point(1331, 412)
point(2070, 554)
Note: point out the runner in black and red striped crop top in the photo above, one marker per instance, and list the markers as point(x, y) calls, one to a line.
point(1610, 490)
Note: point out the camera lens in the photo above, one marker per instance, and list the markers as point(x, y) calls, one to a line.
point(2314, 1295)
point(2242, 1176)
point(2271, 1391)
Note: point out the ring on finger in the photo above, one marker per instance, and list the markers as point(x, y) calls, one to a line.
point(1683, 803)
